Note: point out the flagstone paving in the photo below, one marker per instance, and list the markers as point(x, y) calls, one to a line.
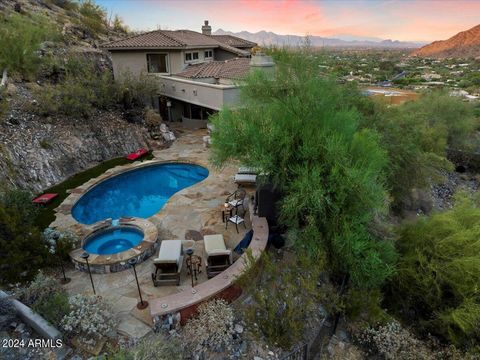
point(191, 213)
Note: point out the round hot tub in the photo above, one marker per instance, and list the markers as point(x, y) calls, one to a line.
point(110, 247)
point(113, 240)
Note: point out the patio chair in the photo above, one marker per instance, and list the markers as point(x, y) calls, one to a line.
point(168, 264)
point(237, 199)
point(218, 257)
point(236, 219)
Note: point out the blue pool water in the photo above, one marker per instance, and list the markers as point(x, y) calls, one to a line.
point(113, 240)
point(140, 193)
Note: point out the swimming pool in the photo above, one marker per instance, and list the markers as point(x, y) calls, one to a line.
point(113, 240)
point(139, 193)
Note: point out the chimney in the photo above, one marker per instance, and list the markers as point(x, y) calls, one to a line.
point(206, 29)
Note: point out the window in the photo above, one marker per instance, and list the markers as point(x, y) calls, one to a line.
point(157, 63)
point(208, 54)
point(191, 56)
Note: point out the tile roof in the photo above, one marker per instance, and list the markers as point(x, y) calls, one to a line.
point(229, 69)
point(234, 41)
point(171, 39)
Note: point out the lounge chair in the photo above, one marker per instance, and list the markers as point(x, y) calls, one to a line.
point(168, 264)
point(218, 257)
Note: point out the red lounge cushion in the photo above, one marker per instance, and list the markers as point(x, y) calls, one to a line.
point(137, 154)
point(44, 199)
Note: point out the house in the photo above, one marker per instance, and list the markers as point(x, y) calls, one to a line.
point(197, 73)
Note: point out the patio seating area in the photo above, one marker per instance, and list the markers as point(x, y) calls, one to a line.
point(195, 241)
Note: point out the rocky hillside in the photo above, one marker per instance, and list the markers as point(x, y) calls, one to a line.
point(37, 150)
point(465, 44)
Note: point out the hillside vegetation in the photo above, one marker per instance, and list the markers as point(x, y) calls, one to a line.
point(346, 168)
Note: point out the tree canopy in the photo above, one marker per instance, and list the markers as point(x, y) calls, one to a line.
point(437, 275)
point(297, 128)
point(22, 244)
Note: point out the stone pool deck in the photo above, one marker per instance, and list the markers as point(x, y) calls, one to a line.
point(189, 214)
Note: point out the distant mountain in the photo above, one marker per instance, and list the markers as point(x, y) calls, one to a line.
point(465, 44)
point(267, 38)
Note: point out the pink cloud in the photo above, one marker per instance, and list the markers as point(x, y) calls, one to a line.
point(396, 19)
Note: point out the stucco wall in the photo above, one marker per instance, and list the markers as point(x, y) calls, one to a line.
point(207, 95)
point(222, 55)
point(135, 62)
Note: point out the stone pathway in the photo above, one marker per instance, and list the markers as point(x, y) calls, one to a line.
point(190, 213)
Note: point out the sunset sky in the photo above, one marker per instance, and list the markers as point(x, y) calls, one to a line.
point(415, 20)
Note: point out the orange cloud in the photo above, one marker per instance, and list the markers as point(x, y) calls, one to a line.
point(395, 19)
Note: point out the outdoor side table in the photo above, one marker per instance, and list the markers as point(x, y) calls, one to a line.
point(194, 265)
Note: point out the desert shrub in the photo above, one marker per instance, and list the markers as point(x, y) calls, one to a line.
point(65, 4)
point(69, 98)
point(40, 289)
point(6, 306)
point(285, 297)
point(412, 162)
point(82, 89)
point(93, 17)
point(391, 341)
point(137, 91)
point(152, 348)
point(60, 243)
point(119, 25)
point(19, 201)
point(212, 328)
point(23, 247)
point(436, 284)
point(44, 144)
point(153, 120)
point(3, 102)
point(53, 308)
point(365, 307)
point(20, 40)
point(45, 296)
point(90, 318)
point(295, 128)
point(416, 136)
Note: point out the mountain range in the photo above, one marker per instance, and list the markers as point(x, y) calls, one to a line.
point(465, 44)
point(267, 38)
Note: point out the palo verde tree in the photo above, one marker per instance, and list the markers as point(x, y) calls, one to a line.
point(297, 129)
point(416, 136)
point(20, 39)
point(436, 283)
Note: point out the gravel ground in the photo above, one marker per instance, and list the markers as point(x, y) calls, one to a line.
point(442, 194)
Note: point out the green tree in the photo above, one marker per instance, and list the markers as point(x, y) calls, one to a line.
point(23, 247)
point(20, 40)
point(297, 129)
point(416, 137)
point(93, 17)
point(119, 25)
point(436, 284)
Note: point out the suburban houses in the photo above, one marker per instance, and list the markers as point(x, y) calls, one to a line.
point(198, 73)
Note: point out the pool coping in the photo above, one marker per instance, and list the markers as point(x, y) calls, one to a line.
point(118, 262)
